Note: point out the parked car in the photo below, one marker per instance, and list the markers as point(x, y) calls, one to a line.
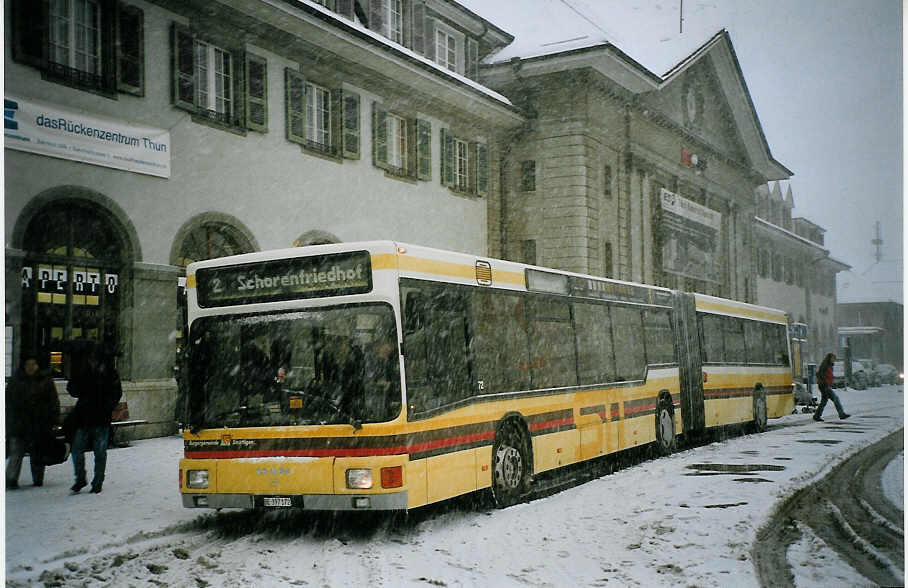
point(859, 378)
point(888, 373)
point(873, 378)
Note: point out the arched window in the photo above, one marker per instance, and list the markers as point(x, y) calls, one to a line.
point(71, 280)
point(212, 239)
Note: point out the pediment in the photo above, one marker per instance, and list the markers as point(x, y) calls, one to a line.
point(696, 102)
point(706, 95)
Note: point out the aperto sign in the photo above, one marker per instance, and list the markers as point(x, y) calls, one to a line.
point(285, 279)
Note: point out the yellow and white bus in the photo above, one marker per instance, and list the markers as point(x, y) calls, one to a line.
point(384, 376)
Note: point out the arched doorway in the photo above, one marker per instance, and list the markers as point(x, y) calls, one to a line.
point(72, 277)
point(204, 237)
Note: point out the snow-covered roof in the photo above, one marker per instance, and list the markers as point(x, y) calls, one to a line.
point(881, 281)
point(397, 47)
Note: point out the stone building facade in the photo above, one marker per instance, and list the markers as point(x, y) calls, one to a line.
point(623, 173)
point(142, 135)
point(793, 269)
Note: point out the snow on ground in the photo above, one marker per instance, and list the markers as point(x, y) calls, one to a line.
point(676, 520)
point(893, 481)
point(814, 563)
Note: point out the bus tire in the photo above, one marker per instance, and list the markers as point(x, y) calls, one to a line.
point(760, 412)
point(511, 467)
point(665, 427)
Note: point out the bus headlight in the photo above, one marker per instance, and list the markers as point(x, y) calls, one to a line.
point(359, 478)
point(197, 479)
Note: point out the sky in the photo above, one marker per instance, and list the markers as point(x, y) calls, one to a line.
point(825, 78)
point(676, 523)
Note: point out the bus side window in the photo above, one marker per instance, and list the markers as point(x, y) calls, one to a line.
point(627, 326)
point(436, 345)
point(660, 341)
point(596, 357)
point(753, 339)
point(711, 338)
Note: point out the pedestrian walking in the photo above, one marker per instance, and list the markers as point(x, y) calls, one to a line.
point(32, 410)
point(96, 385)
point(825, 380)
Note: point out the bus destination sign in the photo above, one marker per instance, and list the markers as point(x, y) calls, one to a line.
point(285, 279)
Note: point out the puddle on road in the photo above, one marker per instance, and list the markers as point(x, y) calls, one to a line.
point(782, 458)
point(758, 480)
point(822, 441)
point(750, 453)
point(718, 469)
point(729, 505)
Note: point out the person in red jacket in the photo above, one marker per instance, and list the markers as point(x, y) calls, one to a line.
point(825, 380)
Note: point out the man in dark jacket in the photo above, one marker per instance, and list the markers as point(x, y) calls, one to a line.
point(96, 385)
point(32, 410)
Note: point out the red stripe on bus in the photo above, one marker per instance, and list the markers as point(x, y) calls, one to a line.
point(339, 452)
point(551, 424)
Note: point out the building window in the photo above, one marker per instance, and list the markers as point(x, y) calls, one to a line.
point(397, 142)
point(214, 78)
point(461, 173)
point(464, 164)
point(607, 181)
point(204, 78)
point(400, 145)
point(528, 176)
point(445, 49)
point(75, 34)
point(318, 117)
point(395, 21)
point(528, 251)
point(88, 44)
point(321, 119)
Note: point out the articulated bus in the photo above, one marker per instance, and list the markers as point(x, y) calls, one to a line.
point(386, 376)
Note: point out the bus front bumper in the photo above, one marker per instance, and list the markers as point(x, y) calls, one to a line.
point(392, 501)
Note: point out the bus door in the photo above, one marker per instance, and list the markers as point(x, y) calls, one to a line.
point(690, 364)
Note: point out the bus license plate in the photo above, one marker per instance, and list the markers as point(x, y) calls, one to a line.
point(276, 501)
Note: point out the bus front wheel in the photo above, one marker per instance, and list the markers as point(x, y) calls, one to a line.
point(510, 465)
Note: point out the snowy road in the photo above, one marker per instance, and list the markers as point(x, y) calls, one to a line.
point(689, 519)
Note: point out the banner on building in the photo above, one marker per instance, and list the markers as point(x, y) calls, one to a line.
point(690, 238)
point(57, 132)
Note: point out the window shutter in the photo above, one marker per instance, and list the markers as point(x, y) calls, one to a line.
point(472, 59)
point(429, 39)
point(344, 8)
point(471, 167)
point(379, 136)
point(423, 149)
point(238, 70)
point(29, 34)
point(418, 37)
point(183, 54)
point(447, 158)
point(412, 164)
point(295, 100)
point(256, 93)
point(351, 125)
point(109, 22)
point(376, 20)
point(337, 122)
point(482, 169)
point(130, 51)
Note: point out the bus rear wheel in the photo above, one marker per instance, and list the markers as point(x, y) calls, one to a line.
point(510, 465)
point(760, 413)
point(665, 428)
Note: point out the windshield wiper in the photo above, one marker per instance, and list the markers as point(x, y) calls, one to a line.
point(351, 420)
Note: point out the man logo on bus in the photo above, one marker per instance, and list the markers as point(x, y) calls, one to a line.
point(225, 441)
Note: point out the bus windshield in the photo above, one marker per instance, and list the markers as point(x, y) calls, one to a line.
point(322, 366)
